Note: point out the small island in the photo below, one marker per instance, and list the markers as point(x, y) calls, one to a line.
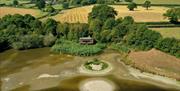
point(95, 67)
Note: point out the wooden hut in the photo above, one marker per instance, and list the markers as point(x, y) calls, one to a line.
point(86, 40)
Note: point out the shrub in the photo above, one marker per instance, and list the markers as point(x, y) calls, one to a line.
point(49, 40)
point(169, 45)
point(28, 41)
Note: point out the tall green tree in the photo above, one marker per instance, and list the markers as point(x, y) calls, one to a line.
point(50, 26)
point(131, 6)
point(173, 15)
point(40, 4)
point(128, 0)
point(15, 2)
point(147, 4)
point(102, 12)
point(65, 5)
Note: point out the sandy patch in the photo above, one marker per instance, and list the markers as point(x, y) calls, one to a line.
point(97, 85)
point(144, 75)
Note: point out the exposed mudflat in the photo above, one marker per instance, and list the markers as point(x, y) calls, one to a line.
point(31, 71)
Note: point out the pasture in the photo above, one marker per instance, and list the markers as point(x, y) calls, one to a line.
point(159, 1)
point(80, 14)
point(156, 62)
point(168, 32)
point(10, 10)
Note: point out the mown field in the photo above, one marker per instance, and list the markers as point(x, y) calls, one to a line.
point(168, 32)
point(10, 10)
point(159, 1)
point(156, 62)
point(80, 14)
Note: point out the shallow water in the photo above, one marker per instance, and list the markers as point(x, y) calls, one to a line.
point(40, 70)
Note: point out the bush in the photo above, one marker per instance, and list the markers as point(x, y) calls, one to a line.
point(49, 40)
point(69, 47)
point(169, 45)
point(143, 38)
point(28, 41)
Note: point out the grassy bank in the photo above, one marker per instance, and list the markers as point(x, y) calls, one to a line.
point(70, 47)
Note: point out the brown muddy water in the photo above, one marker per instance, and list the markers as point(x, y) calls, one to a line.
point(40, 70)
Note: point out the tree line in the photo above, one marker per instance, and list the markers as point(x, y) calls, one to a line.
point(25, 32)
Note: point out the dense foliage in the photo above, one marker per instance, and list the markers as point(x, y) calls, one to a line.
point(102, 12)
point(147, 4)
point(169, 45)
point(173, 15)
point(131, 6)
point(25, 32)
point(70, 47)
point(143, 38)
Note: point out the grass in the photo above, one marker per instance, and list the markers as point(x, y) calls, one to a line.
point(58, 6)
point(70, 47)
point(10, 10)
point(156, 62)
point(159, 1)
point(80, 14)
point(168, 32)
point(8, 2)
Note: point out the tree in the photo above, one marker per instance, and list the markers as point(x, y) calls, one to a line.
point(105, 36)
point(84, 2)
point(15, 2)
point(49, 40)
point(173, 15)
point(143, 38)
point(50, 26)
point(65, 5)
point(40, 4)
point(95, 26)
point(128, 0)
point(131, 6)
point(102, 12)
point(147, 4)
point(100, 1)
point(128, 20)
point(50, 9)
point(109, 23)
point(169, 45)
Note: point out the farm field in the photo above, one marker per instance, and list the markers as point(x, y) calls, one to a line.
point(9, 10)
point(157, 62)
point(10, 1)
point(80, 14)
point(168, 32)
point(159, 1)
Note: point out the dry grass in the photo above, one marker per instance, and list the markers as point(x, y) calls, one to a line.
point(169, 32)
point(140, 14)
point(157, 62)
point(9, 10)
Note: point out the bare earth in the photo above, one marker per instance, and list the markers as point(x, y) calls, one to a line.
point(154, 14)
point(157, 62)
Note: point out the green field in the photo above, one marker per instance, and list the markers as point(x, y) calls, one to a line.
point(8, 2)
point(169, 32)
point(159, 1)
